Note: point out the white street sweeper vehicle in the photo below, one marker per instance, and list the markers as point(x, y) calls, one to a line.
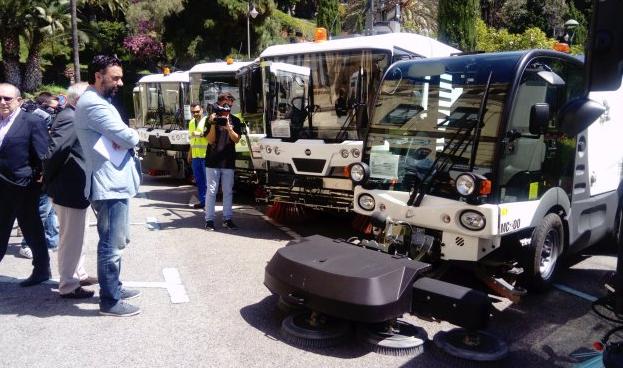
point(469, 160)
point(161, 103)
point(207, 81)
point(317, 97)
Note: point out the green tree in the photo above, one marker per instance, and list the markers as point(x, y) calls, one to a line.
point(12, 18)
point(490, 39)
point(328, 16)
point(457, 23)
point(49, 18)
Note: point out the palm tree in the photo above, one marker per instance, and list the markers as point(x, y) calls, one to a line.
point(12, 17)
point(49, 19)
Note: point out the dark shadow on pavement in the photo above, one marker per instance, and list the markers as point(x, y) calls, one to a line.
point(265, 317)
point(40, 301)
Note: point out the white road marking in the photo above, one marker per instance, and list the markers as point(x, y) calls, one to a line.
point(177, 291)
point(152, 223)
point(172, 283)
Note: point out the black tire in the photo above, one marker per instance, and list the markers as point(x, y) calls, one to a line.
point(540, 259)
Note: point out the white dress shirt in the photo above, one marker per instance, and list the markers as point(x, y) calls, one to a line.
point(5, 124)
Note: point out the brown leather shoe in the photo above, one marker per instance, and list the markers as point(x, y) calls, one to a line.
point(90, 280)
point(79, 293)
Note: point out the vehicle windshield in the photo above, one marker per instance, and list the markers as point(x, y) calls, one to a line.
point(251, 101)
point(428, 114)
point(321, 95)
point(164, 105)
point(205, 88)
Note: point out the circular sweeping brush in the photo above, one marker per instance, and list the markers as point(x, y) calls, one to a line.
point(314, 330)
point(397, 338)
point(471, 346)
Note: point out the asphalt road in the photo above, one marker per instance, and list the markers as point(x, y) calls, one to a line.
point(230, 319)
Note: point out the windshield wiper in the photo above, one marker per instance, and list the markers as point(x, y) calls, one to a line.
point(444, 161)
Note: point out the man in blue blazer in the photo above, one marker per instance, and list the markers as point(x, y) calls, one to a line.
point(23, 145)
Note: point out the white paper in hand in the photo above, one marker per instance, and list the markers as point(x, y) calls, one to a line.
point(104, 147)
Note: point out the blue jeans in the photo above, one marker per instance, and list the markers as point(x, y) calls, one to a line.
point(112, 224)
point(226, 177)
point(49, 220)
point(198, 165)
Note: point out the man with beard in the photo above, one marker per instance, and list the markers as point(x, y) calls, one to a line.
point(108, 186)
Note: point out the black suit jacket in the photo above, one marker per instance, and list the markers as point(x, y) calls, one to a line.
point(23, 149)
point(64, 171)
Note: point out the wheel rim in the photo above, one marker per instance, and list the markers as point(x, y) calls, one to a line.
point(549, 253)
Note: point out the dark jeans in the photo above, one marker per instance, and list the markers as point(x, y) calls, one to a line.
point(50, 222)
point(23, 203)
point(112, 224)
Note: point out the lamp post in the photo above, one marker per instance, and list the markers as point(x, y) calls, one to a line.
point(250, 13)
point(570, 28)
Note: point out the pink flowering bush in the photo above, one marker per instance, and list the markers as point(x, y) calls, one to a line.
point(143, 46)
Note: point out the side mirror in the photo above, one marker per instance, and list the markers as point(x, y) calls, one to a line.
point(578, 114)
point(539, 118)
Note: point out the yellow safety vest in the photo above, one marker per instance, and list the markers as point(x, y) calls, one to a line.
point(198, 143)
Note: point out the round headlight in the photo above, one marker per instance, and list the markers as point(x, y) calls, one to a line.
point(472, 220)
point(465, 185)
point(355, 152)
point(344, 153)
point(277, 150)
point(366, 202)
point(357, 173)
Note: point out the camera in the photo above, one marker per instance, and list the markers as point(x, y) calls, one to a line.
point(221, 121)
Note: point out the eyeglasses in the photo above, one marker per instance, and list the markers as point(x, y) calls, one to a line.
point(6, 99)
point(196, 112)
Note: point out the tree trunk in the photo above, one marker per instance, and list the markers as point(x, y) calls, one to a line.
point(74, 40)
point(32, 73)
point(10, 59)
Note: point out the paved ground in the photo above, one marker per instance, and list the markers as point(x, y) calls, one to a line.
point(230, 319)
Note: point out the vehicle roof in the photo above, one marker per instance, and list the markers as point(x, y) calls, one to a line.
point(176, 77)
point(418, 44)
point(218, 67)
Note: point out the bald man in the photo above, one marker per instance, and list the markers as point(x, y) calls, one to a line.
point(23, 145)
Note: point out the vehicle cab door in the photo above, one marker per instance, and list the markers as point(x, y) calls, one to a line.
point(537, 155)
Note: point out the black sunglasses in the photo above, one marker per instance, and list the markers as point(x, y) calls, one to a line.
point(6, 99)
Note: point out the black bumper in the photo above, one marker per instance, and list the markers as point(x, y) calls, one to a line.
point(343, 280)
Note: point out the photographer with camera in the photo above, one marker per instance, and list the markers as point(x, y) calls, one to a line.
point(223, 132)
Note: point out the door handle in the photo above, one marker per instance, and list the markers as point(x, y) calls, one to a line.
point(593, 178)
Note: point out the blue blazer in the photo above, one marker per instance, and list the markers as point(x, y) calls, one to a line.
point(23, 149)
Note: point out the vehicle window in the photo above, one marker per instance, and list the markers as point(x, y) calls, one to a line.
point(533, 163)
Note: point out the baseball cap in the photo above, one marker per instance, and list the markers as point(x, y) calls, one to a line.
point(225, 96)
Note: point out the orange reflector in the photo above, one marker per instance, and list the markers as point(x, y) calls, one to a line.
point(166, 70)
point(346, 171)
point(485, 187)
point(320, 34)
point(230, 61)
point(562, 47)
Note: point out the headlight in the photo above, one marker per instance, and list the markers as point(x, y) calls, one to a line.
point(465, 184)
point(366, 202)
point(344, 153)
point(355, 152)
point(472, 220)
point(359, 172)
